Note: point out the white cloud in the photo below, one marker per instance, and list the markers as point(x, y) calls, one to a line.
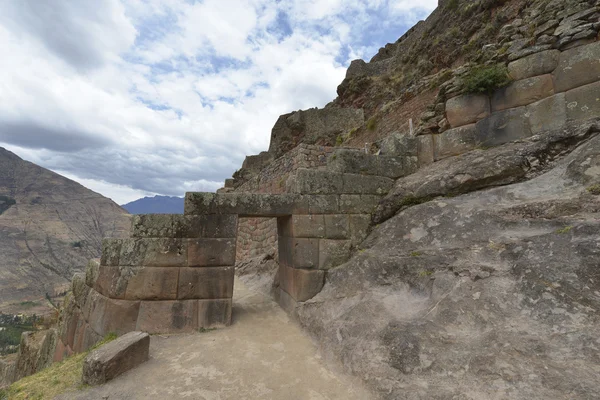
point(140, 97)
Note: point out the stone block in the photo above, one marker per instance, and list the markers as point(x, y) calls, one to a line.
point(153, 252)
point(302, 226)
point(116, 357)
point(577, 67)
point(210, 252)
point(364, 184)
point(205, 226)
point(180, 316)
point(91, 272)
point(426, 150)
point(583, 102)
point(503, 127)
point(467, 109)
point(206, 283)
point(359, 227)
point(336, 226)
point(138, 283)
point(312, 181)
point(358, 204)
point(242, 204)
point(298, 252)
point(323, 204)
point(71, 318)
point(548, 114)
point(111, 251)
point(106, 315)
point(333, 253)
point(301, 284)
point(286, 302)
point(357, 162)
point(455, 141)
point(152, 226)
point(214, 313)
point(78, 337)
point(536, 64)
point(397, 144)
point(523, 92)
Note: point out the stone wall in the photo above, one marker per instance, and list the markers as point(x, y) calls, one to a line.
point(549, 88)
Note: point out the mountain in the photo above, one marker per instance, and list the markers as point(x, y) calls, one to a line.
point(50, 226)
point(156, 205)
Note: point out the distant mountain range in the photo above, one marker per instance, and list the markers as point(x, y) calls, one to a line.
point(156, 205)
point(50, 226)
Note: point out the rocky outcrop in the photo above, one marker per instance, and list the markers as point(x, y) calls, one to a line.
point(481, 295)
point(36, 352)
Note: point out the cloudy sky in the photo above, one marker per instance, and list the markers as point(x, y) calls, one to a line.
point(143, 97)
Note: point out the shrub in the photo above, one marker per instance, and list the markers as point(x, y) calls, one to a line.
point(594, 189)
point(486, 79)
point(452, 5)
point(372, 124)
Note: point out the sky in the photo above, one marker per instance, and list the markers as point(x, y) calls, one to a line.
point(133, 98)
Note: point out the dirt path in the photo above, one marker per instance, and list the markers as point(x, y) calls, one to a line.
point(263, 355)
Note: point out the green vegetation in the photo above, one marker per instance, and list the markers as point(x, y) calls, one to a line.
point(11, 328)
point(452, 5)
point(5, 203)
point(372, 123)
point(29, 304)
point(54, 380)
point(564, 230)
point(594, 189)
point(486, 79)
point(416, 254)
point(78, 244)
point(425, 273)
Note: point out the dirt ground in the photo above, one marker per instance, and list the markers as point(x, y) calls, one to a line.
point(263, 355)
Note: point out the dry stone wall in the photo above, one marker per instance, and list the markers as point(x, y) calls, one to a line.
point(550, 89)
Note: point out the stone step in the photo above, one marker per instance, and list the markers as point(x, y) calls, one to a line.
point(357, 162)
point(310, 181)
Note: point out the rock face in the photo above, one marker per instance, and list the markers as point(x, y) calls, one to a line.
point(480, 295)
point(50, 227)
point(116, 358)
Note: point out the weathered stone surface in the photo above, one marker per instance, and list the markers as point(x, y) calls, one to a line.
point(577, 67)
point(116, 357)
point(337, 226)
point(314, 126)
point(36, 352)
point(79, 288)
point(91, 272)
point(455, 141)
point(467, 280)
point(243, 204)
point(359, 227)
point(310, 181)
point(333, 253)
point(168, 316)
point(184, 226)
point(298, 252)
point(7, 372)
point(548, 114)
point(363, 184)
point(301, 284)
point(106, 315)
point(111, 251)
point(480, 169)
point(397, 144)
point(302, 226)
point(206, 283)
point(153, 252)
point(358, 204)
point(214, 313)
point(502, 127)
point(541, 63)
point(528, 51)
point(523, 92)
point(210, 252)
point(426, 146)
point(138, 283)
point(467, 109)
point(357, 162)
point(583, 102)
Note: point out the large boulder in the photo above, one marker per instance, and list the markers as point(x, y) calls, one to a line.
point(116, 357)
point(467, 109)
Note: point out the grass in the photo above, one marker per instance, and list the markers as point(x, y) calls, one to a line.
point(372, 124)
point(486, 79)
point(594, 189)
point(416, 254)
point(564, 230)
point(54, 380)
